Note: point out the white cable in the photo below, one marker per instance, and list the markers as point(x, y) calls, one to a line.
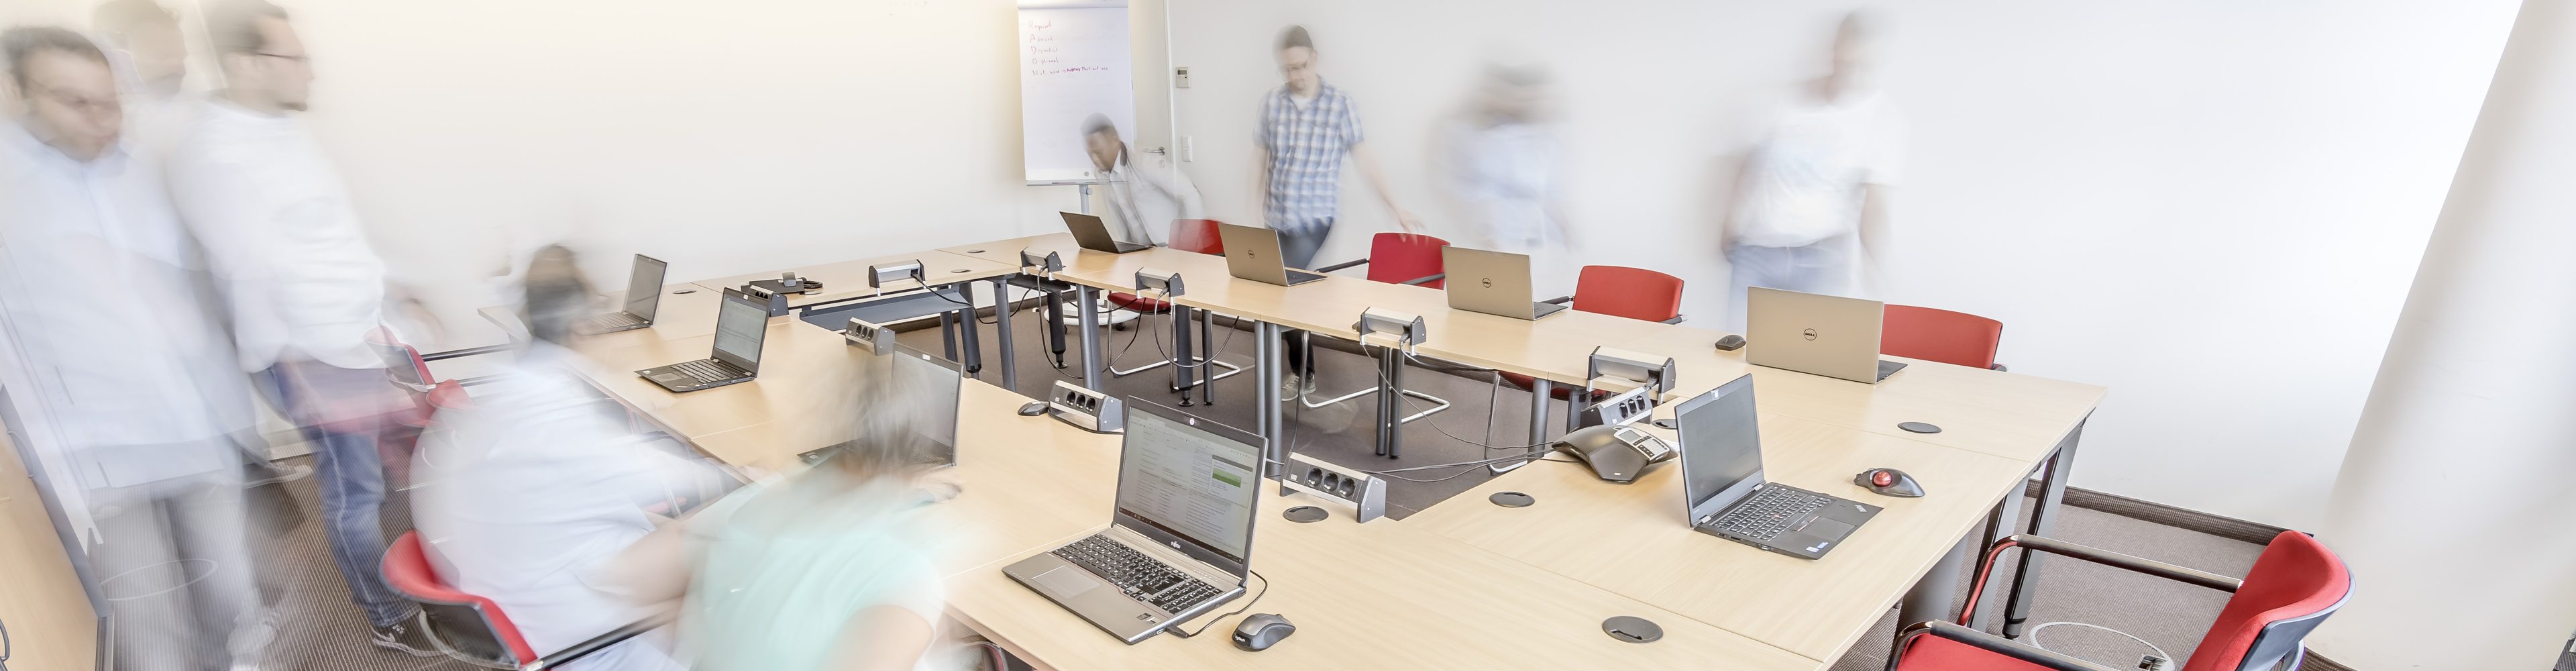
point(2033, 637)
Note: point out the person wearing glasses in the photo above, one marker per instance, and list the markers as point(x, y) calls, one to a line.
point(1307, 128)
point(121, 374)
point(305, 288)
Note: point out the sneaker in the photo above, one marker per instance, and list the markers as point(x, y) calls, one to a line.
point(1296, 385)
point(407, 638)
point(254, 475)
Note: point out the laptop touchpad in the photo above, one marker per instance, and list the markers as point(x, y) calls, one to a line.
point(1065, 582)
point(1825, 528)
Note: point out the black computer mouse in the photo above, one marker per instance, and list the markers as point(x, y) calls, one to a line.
point(1262, 630)
point(1889, 482)
point(1033, 408)
point(1730, 342)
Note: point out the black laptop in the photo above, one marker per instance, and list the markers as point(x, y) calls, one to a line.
point(1722, 482)
point(643, 297)
point(741, 324)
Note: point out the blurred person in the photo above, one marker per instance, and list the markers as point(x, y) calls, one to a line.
point(531, 493)
point(829, 567)
point(1811, 201)
point(106, 336)
point(1307, 128)
point(1140, 200)
point(146, 36)
point(1502, 162)
point(303, 286)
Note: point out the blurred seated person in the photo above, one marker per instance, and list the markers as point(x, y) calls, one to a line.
point(1139, 202)
point(531, 492)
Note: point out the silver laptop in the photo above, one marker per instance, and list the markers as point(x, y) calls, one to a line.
point(742, 323)
point(1180, 541)
point(1093, 234)
point(1252, 253)
point(1831, 336)
point(643, 297)
point(1723, 489)
point(943, 380)
point(1494, 283)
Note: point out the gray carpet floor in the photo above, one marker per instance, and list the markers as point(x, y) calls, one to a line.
point(324, 631)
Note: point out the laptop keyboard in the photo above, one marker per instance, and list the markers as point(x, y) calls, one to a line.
point(613, 320)
point(1140, 575)
point(1769, 513)
point(707, 370)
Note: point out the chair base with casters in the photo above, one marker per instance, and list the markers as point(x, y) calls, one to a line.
point(2293, 587)
point(472, 629)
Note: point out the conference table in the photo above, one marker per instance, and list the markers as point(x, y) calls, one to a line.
point(1463, 583)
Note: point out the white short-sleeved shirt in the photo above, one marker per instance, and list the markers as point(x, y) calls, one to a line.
point(1809, 163)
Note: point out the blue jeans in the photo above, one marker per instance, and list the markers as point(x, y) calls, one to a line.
point(1297, 247)
point(350, 475)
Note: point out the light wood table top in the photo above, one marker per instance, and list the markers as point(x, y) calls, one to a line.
point(687, 311)
point(51, 625)
point(1634, 539)
point(802, 369)
point(845, 280)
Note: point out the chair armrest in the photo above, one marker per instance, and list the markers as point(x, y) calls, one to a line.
point(1968, 611)
point(470, 351)
point(1560, 300)
point(600, 642)
point(1342, 265)
point(1675, 320)
point(1419, 281)
point(1988, 642)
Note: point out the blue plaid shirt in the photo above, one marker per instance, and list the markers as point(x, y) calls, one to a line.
point(1306, 145)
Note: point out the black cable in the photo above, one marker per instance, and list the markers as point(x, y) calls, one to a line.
point(6, 648)
point(1538, 456)
point(1247, 605)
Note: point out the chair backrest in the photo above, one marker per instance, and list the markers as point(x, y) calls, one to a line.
point(1940, 335)
point(403, 364)
point(1635, 293)
point(2294, 585)
point(1396, 257)
point(473, 624)
point(1197, 235)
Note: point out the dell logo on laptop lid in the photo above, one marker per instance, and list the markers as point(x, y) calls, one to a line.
point(1811, 334)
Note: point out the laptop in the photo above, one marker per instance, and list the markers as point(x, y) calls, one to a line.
point(741, 324)
point(1722, 483)
point(1180, 541)
point(920, 372)
point(1825, 335)
point(1252, 253)
point(643, 296)
point(1093, 234)
point(1494, 283)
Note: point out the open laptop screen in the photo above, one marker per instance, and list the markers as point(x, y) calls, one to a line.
point(1180, 477)
point(644, 287)
point(1721, 448)
point(740, 325)
point(925, 373)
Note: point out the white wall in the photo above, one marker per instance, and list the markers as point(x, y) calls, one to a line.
point(2213, 208)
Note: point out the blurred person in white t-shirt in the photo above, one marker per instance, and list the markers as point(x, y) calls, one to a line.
point(1811, 202)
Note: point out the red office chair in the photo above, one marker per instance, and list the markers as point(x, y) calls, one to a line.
point(1619, 291)
point(1956, 338)
point(1396, 258)
point(1188, 235)
point(408, 370)
point(2293, 587)
point(472, 629)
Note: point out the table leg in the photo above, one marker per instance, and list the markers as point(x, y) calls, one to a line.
point(1002, 330)
point(1539, 390)
point(1083, 298)
point(1390, 403)
point(1181, 368)
point(969, 336)
point(1055, 325)
point(948, 334)
point(1932, 594)
point(2043, 518)
point(1207, 370)
point(1265, 392)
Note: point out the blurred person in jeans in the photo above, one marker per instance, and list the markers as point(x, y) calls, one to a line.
point(531, 492)
point(303, 285)
point(1811, 202)
point(115, 367)
point(1307, 128)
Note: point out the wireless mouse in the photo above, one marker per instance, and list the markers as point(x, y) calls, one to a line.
point(1730, 342)
point(1262, 630)
point(1033, 408)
